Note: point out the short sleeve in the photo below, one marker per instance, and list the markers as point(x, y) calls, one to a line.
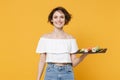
point(74, 46)
point(41, 46)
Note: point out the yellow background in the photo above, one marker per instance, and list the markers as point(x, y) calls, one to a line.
point(94, 23)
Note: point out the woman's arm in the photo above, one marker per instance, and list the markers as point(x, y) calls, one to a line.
point(41, 65)
point(75, 60)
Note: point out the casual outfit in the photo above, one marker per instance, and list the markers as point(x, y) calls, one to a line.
point(58, 51)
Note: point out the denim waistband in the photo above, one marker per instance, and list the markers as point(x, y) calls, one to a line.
point(56, 72)
point(57, 66)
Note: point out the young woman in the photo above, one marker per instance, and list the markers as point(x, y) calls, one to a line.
point(57, 49)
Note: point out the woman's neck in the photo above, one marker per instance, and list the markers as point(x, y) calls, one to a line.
point(58, 31)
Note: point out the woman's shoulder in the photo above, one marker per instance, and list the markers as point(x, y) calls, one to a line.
point(44, 35)
point(69, 36)
point(47, 35)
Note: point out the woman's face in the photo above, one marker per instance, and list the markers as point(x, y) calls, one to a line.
point(58, 19)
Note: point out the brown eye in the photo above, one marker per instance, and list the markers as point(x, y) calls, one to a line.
point(62, 16)
point(55, 17)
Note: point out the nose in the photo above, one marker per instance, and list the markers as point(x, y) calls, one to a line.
point(59, 19)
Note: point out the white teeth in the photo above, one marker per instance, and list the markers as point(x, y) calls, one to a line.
point(59, 23)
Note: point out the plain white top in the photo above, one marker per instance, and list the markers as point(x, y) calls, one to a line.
point(58, 50)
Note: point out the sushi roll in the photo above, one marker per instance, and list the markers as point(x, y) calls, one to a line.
point(82, 50)
point(89, 49)
point(95, 49)
point(86, 50)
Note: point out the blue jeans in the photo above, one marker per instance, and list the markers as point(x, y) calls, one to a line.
point(54, 72)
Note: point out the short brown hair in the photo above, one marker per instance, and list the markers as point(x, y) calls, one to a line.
point(65, 12)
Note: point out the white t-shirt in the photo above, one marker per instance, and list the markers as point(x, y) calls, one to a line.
point(57, 50)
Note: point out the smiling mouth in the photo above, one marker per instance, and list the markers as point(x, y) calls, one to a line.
point(59, 23)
